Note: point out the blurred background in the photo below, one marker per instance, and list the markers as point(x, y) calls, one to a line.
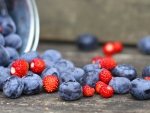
point(110, 20)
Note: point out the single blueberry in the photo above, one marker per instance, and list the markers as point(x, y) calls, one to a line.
point(140, 89)
point(87, 42)
point(76, 72)
point(144, 45)
point(14, 55)
point(30, 56)
point(13, 40)
point(63, 65)
point(7, 24)
point(66, 77)
point(13, 87)
point(146, 71)
point(124, 70)
point(52, 55)
point(70, 91)
point(32, 84)
point(50, 71)
point(49, 64)
point(120, 85)
point(4, 56)
point(90, 78)
point(4, 74)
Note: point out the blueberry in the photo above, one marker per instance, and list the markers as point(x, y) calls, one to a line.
point(14, 55)
point(49, 71)
point(4, 74)
point(146, 71)
point(120, 85)
point(64, 65)
point(140, 89)
point(144, 45)
point(30, 56)
point(52, 55)
point(49, 64)
point(124, 70)
point(2, 40)
point(87, 42)
point(4, 56)
point(13, 40)
point(88, 67)
point(66, 77)
point(90, 78)
point(70, 91)
point(7, 24)
point(76, 72)
point(13, 87)
point(32, 84)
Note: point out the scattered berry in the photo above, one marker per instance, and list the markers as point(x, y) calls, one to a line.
point(140, 89)
point(118, 46)
point(87, 42)
point(32, 84)
point(105, 76)
point(37, 65)
point(147, 77)
point(19, 68)
point(88, 91)
point(98, 85)
point(124, 70)
point(106, 91)
point(50, 83)
point(108, 48)
point(13, 87)
point(120, 85)
point(146, 71)
point(107, 63)
point(70, 91)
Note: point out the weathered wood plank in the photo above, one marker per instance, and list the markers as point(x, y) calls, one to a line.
point(123, 20)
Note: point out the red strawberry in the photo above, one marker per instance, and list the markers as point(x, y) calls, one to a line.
point(50, 83)
point(95, 59)
point(98, 85)
point(37, 65)
point(147, 77)
point(108, 48)
point(107, 63)
point(118, 46)
point(19, 68)
point(88, 91)
point(105, 76)
point(106, 91)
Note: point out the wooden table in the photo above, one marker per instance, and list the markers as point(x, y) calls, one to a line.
point(52, 103)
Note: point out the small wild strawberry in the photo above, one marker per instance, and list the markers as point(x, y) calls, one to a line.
point(19, 68)
point(50, 83)
point(37, 65)
point(88, 91)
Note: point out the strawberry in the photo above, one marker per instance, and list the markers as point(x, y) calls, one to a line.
point(50, 83)
point(19, 68)
point(118, 46)
point(108, 48)
point(88, 91)
point(106, 91)
point(147, 77)
point(105, 76)
point(95, 59)
point(37, 65)
point(98, 85)
point(107, 63)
